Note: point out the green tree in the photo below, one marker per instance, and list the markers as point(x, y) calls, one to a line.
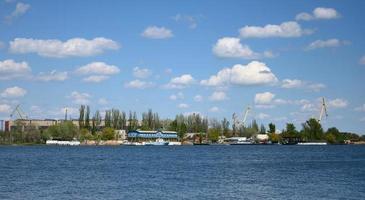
point(272, 128)
point(312, 130)
point(108, 134)
point(81, 116)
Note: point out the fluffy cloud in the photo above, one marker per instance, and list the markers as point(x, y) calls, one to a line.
point(180, 82)
point(141, 72)
point(138, 84)
point(20, 9)
point(218, 96)
point(80, 98)
point(229, 47)
point(214, 109)
point(362, 60)
point(338, 103)
point(154, 32)
point(198, 98)
point(326, 44)
point(52, 76)
point(264, 98)
point(95, 78)
point(77, 47)
point(13, 92)
point(183, 105)
point(318, 13)
point(10, 69)
point(291, 83)
point(5, 108)
point(98, 68)
point(285, 29)
point(190, 20)
point(254, 73)
point(295, 83)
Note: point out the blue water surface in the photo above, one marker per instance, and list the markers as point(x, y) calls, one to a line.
point(183, 172)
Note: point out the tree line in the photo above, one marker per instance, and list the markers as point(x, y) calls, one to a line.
point(101, 127)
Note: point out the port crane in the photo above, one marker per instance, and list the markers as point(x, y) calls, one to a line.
point(17, 110)
point(323, 110)
point(236, 122)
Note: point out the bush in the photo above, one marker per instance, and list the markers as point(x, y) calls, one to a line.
point(108, 134)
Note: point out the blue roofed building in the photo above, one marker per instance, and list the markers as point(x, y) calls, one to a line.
point(142, 136)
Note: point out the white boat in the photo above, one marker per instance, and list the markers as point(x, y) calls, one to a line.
point(312, 143)
point(174, 143)
point(238, 141)
point(158, 142)
point(63, 143)
point(132, 144)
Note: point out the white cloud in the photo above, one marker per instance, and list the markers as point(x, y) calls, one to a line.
point(98, 68)
point(80, 98)
point(229, 47)
point(285, 29)
point(309, 107)
point(103, 101)
point(198, 98)
point(264, 98)
point(13, 92)
point(338, 103)
point(95, 78)
point(183, 105)
point(141, 72)
point(52, 76)
point(10, 69)
point(179, 95)
point(318, 13)
point(218, 96)
point(190, 20)
point(360, 108)
point(138, 84)
point(5, 108)
point(292, 83)
point(78, 47)
point(330, 43)
point(316, 87)
point(254, 73)
point(295, 83)
point(20, 9)
point(362, 60)
point(214, 109)
point(263, 116)
point(180, 82)
point(154, 32)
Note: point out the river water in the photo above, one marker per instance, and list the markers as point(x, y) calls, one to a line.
point(183, 172)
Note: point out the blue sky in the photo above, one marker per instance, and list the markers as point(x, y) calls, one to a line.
point(211, 57)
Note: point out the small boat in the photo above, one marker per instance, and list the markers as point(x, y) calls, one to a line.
point(201, 144)
point(132, 144)
point(158, 142)
point(241, 143)
point(174, 143)
point(312, 143)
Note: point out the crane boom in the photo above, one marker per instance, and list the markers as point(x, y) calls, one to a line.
point(245, 115)
point(323, 110)
point(19, 112)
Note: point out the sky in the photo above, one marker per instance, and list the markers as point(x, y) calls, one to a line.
point(215, 58)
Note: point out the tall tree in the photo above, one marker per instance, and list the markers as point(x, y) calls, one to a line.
point(87, 118)
point(272, 128)
point(81, 116)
